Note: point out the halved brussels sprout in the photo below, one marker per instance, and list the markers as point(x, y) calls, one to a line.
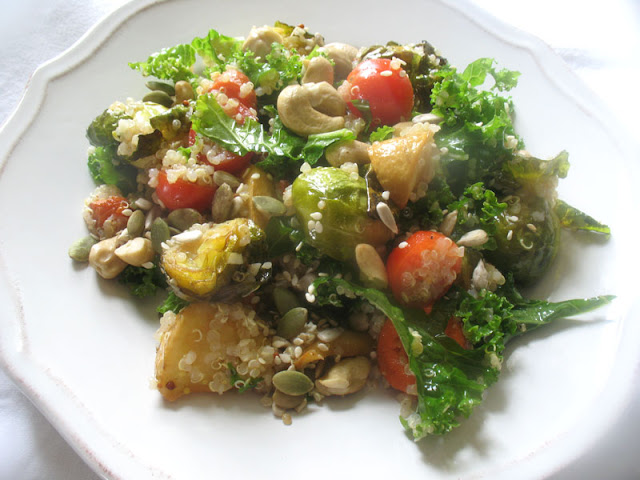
point(201, 260)
point(528, 235)
point(331, 206)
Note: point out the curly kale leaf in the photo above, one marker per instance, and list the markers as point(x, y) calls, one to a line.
point(105, 168)
point(451, 380)
point(172, 303)
point(175, 63)
point(477, 122)
point(142, 282)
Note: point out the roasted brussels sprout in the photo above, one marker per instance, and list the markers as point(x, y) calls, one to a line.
point(528, 234)
point(173, 123)
point(331, 206)
point(100, 131)
point(201, 260)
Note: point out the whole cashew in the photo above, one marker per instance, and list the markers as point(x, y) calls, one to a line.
point(318, 69)
point(311, 108)
point(343, 56)
point(260, 39)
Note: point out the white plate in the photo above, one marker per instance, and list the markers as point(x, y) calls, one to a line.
point(83, 351)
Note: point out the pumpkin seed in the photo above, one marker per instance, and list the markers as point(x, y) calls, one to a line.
point(269, 205)
point(285, 401)
point(161, 86)
point(292, 323)
point(184, 218)
point(135, 224)
point(292, 383)
point(79, 250)
point(159, 97)
point(221, 177)
point(159, 234)
point(285, 299)
point(222, 203)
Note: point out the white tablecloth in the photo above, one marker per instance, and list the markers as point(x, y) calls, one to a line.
point(600, 41)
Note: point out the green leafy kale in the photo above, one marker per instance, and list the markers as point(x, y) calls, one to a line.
point(574, 219)
point(105, 168)
point(478, 208)
point(381, 133)
point(172, 303)
point(239, 383)
point(173, 63)
point(284, 151)
point(142, 282)
point(216, 49)
point(477, 122)
point(451, 380)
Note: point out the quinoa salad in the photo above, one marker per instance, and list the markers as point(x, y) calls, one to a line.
point(318, 219)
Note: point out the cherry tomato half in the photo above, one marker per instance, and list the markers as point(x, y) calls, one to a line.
point(184, 194)
point(223, 159)
point(422, 271)
point(110, 209)
point(388, 91)
point(233, 83)
point(393, 360)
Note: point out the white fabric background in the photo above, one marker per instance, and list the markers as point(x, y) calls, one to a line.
point(600, 41)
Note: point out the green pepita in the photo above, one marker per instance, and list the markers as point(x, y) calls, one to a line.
point(135, 224)
point(159, 97)
point(159, 234)
point(292, 383)
point(285, 401)
point(292, 323)
point(269, 205)
point(79, 250)
point(285, 299)
point(184, 218)
point(161, 86)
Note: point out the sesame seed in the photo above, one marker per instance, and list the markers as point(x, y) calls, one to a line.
point(532, 227)
point(310, 297)
point(319, 227)
point(386, 195)
point(386, 73)
point(509, 234)
point(316, 216)
point(403, 245)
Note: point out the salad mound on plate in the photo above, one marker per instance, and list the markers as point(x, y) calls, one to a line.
point(322, 219)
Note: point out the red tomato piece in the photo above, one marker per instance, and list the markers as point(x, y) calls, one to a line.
point(385, 86)
point(423, 270)
point(110, 209)
point(393, 360)
point(184, 194)
point(234, 84)
point(222, 159)
point(454, 330)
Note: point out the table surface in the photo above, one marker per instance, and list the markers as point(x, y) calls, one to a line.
point(598, 43)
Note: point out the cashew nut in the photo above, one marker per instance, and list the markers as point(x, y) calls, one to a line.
point(260, 39)
point(318, 69)
point(103, 258)
point(311, 108)
point(136, 252)
point(345, 377)
point(343, 152)
point(343, 56)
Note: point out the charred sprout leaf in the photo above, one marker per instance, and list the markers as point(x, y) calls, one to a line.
point(105, 168)
point(173, 63)
point(100, 130)
point(172, 303)
point(210, 254)
point(451, 380)
point(574, 219)
point(142, 282)
point(173, 123)
point(536, 176)
point(341, 200)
